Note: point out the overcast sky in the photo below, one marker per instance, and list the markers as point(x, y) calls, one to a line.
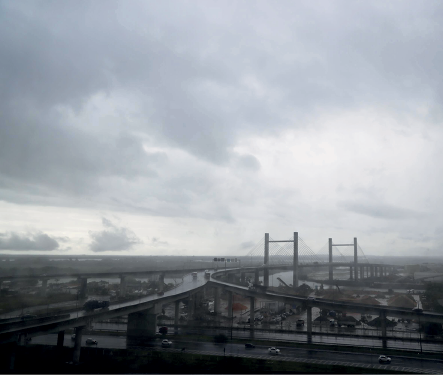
point(194, 127)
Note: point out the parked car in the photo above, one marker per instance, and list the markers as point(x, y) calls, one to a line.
point(274, 351)
point(166, 343)
point(91, 341)
point(249, 346)
point(384, 359)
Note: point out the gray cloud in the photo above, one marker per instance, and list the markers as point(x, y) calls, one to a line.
point(30, 241)
point(379, 210)
point(113, 238)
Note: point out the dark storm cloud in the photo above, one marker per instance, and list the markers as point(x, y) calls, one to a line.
point(202, 76)
point(113, 238)
point(31, 241)
point(379, 210)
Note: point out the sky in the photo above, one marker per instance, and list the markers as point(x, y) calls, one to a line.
point(194, 127)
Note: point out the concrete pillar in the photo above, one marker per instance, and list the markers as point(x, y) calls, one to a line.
point(331, 271)
point(60, 339)
point(257, 277)
point(83, 285)
point(77, 344)
point(295, 270)
point(176, 312)
point(191, 306)
point(229, 304)
point(266, 261)
point(44, 288)
point(217, 300)
point(309, 323)
point(355, 259)
point(252, 311)
point(351, 274)
point(122, 286)
point(143, 323)
point(242, 277)
point(161, 282)
point(383, 328)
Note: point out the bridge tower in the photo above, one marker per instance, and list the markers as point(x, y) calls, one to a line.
point(295, 260)
point(266, 261)
point(352, 267)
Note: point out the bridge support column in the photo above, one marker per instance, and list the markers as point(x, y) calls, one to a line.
point(143, 323)
point(355, 259)
point(295, 262)
point(230, 304)
point(383, 328)
point(77, 344)
point(257, 277)
point(44, 288)
point(161, 282)
point(252, 314)
point(191, 306)
point(242, 277)
point(331, 270)
point(266, 261)
point(83, 286)
point(176, 315)
point(231, 277)
point(309, 323)
point(122, 286)
point(216, 300)
point(60, 339)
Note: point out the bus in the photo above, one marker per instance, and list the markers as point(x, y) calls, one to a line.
point(194, 275)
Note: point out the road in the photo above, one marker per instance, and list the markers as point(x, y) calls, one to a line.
point(120, 342)
point(188, 283)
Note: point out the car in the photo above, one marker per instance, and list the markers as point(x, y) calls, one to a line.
point(163, 330)
point(91, 341)
point(273, 351)
point(249, 346)
point(73, 337)
point(384, 359)
point(417, 310)
point(300, 322)
point(28, 317)
point(160, 293)
point(310, 298)
point(166, 343)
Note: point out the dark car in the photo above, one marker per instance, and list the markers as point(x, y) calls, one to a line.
point(93, 304)
point(28, 317)
point(249, 346)
point(163, 330)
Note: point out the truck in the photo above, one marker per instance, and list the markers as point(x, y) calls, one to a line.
point(93, 304)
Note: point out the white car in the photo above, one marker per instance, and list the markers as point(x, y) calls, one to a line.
point(274, 351)
point(384, 359)
point(166, 343)
point(91, 341)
